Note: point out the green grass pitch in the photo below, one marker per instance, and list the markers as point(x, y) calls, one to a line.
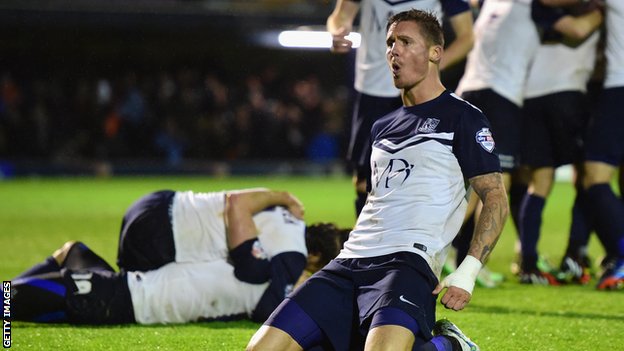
point(37, 215)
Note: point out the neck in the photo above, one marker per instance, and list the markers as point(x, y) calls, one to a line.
point(427, 89)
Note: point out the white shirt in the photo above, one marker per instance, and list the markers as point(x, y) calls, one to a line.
point(506, 40)
point(615, 44)
point(189, 292)
point(199, 228)
point(558, 67)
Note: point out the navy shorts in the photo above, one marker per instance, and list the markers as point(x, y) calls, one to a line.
point(366, 111)
point(605, 139)
point(97, 296)
point(506, 120)
point(146, 236)
point(342, 298)
point(553, 129)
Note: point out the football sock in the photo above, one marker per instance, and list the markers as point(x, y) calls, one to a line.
point(516, 195)
point(531, 221)
point(39, 298)
point(49, 265)
point(580, 228)
point(360, 201)
point(607, 212)
point(441, 343)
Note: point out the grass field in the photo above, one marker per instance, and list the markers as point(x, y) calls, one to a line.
point(37, 215)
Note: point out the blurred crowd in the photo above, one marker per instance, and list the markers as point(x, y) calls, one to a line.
point(172, 115)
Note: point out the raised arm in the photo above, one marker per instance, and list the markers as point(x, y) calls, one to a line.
point(241, 206)
point(490, 189)
point(339, 24)
point(456, 51)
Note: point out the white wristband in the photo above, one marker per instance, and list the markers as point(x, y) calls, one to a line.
point(465, 275)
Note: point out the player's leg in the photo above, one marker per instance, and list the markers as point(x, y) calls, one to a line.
point(146, 237)
point(314, 316)
point(39, 298)
point(399, 294)
point(604, 153)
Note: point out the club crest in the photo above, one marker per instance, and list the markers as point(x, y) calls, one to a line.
point(429, 126)
point(485, 139)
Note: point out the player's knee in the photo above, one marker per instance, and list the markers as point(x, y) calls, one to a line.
point(269, 339)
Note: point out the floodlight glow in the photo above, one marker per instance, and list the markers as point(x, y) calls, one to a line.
point(312, 39)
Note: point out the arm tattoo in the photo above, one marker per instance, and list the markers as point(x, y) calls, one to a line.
point(490, 189)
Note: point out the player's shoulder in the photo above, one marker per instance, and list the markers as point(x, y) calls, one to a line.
point(462, 106)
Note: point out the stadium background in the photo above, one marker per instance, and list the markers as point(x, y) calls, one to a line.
point(166, 86)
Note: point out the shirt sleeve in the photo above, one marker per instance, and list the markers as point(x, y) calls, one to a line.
point(286, 268)
point(250, 263)
point(545, 17)
point(454, 7)
point(474, 145)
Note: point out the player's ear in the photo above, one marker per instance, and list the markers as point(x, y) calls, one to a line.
point(435, 53)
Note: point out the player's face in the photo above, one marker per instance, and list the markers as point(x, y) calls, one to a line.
point(407, 54)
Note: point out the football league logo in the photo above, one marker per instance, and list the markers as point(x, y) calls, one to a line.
point(485, 139)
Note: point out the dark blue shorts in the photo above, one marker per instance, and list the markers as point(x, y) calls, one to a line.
point(146, 237)
point(506, 120)
point(97, 296)
point(605, 139)
point(367, 109)
point(554, 128)
point(343, 297)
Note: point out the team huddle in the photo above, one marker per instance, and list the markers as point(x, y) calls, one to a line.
point(430, 166)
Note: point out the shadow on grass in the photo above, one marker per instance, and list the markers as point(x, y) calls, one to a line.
point(565, 314)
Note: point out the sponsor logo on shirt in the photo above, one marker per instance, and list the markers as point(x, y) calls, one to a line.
point(395, 173)
point(485, 139)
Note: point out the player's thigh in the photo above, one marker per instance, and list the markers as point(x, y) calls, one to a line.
point(403, 281)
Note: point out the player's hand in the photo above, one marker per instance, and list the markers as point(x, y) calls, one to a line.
point(295, 206)
point(455, 298)
point(340, 44)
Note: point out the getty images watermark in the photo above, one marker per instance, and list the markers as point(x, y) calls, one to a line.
point(6, 314)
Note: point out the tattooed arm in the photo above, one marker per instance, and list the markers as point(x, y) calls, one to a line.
point(490, 189)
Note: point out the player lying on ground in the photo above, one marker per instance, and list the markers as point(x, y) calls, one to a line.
point(77, 286)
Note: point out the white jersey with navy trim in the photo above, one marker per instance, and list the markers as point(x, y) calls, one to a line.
point(199, 228)
point(506, 39)
point(558, 67)
point(615, 44)
point(372, 75)
point(422, 156)
point(190, 292)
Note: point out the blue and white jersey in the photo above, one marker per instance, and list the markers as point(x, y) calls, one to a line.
point(506, 40)
point(422, 156)
point(372, 75)
point(615, 44)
